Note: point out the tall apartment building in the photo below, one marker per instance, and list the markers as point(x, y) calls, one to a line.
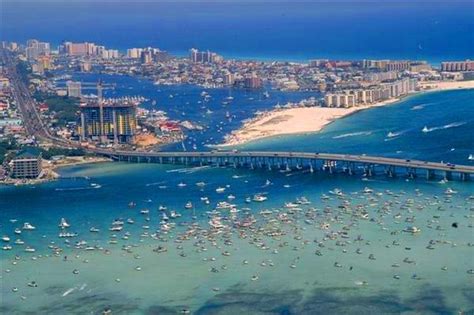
point(457, 66)
point(26, 164)
point(197, 56)
point(383, 91)
point(108, 120)
point(35, 49)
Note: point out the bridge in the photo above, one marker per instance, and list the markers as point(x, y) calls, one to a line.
point(332, 163)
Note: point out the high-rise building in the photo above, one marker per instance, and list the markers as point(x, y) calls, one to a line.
point(35, 48)
point(108, 120)
point(26, 164)
point(457, 66)
point(252, 82)
point(146, 57)
point(228, 78)
point(197, 56)
point(73, 89)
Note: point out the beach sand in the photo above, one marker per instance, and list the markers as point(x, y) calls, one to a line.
point(302, 120)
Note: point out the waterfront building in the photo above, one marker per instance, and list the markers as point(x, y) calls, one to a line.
point(386, 65)
point(108, 120)
point(457, 66)
point(381, 92)
point(317, 63)
point(228, 78)
point(252, 82)
point(26, 164)
point(73, 89)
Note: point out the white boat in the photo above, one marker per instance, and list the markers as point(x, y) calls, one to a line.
point(181, 184)
point(200, 184)
point(63, 224)
point(174, 215)
point(28, 226)
point(5, 238)
point(266, 212)
point(220, 190)
point(231, 197)
point(145, 211)
point(19, 242)
point(130, 221)
point(116, 228)
point(17, 231)
point(94, 230)
point(162, 208)
point(367, 190)
point(7, 247)
point(188, 205)
point(471, 157)
point(425, 129)
point(216, 223)
point(224, 205)
point(30, 249)
point(290, 205)
point(336, 192)
point(259, 198)
point(450, 191)
point(412, 229)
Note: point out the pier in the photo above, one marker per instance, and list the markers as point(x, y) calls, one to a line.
point(332, 163)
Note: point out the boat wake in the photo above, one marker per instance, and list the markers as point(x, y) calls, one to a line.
point(452, 125)
point(393, 135)
point(353, 134)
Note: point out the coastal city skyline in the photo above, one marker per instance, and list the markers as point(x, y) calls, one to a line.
point(233, 157)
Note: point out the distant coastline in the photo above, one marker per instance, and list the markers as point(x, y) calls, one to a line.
point(303, 120)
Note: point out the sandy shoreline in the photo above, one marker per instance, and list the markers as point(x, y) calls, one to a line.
point(301, 120)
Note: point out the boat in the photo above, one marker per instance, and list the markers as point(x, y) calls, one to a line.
point(188, 205)
point(94, 230)
point(181, 184)
point(259, 198)
point(63, 224)
point(17, 231)
point(367, 190)
point(116, 228)
point(471, 157)
point(28, 226)
point(19, 242)
point(220, 190)
point(425, 129)
point(412, 229)
point(224, 205)
point(231, 197)
point(5, 238)
point(162, 208)
point(200, 184)
point(132, 204)
point(174, 214)
point(130, 221)
point(450, 191)
point(144, 211)
point(336, 192)
point(7, 247)
point(216, 223)
point(30, 249)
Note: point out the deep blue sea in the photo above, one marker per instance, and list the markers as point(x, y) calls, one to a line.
point(429, 30)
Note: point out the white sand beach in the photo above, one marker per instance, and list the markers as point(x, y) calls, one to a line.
point(300, 120)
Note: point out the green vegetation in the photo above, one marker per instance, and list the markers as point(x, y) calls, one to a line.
point(7, 146)
point(48, 153)
point(65, 108)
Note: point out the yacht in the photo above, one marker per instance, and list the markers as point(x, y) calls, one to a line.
point(336, 192)
point(220, 190)
point(367, 190)
point(231, 197)
point(216, 223)
point(116, 228)
point(450, 191)
point(30, 249)
point(17, 231)
point(5, 238)
point(259, 198)
point(145, 211)
point(7, 247)
point(412, 229)
point(181, 184)
point(63, 224)
point(470, 157)
point(200, 184)
point(19, 242)
point(130, 221)
point(188, 205)
point(174, 215)
point(162, 208)
point(425, 129)
point(28, 226)
point(94, 230)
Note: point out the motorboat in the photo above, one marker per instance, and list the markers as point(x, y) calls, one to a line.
point(94, 230)
point(5, 238)
point(27, 226)
point(259, 198)
point(220, 190)
point(181, 184)
point(188, 205)
point(412, 229)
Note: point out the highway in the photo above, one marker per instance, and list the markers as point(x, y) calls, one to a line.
point(374, 160)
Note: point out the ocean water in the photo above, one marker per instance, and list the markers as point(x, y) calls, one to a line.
point(339, 254)
point(431, 30)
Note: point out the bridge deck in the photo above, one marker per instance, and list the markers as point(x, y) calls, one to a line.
point(375, 160)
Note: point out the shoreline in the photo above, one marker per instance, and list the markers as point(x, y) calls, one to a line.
point(306, 120)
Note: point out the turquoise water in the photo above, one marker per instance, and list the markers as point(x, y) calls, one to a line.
point(340, 254)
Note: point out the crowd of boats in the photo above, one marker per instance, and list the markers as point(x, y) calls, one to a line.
point(336, 221)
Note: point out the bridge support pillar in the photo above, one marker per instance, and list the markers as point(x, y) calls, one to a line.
point(448, 175)
point(465, 176)
point(429, 174)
